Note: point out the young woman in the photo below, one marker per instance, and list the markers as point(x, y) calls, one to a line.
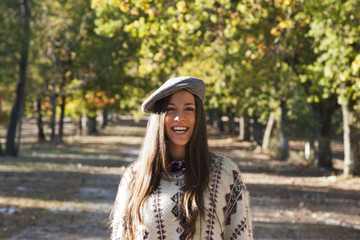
point(177, 189)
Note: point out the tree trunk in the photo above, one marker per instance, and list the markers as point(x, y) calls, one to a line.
point(18, 105)
point(62, 116)
point(242, 128)
point(278, 140)
point(18, 143)
point(247, 133)
point(91, 125)
point(355, 150)
point(67, 67)
point(53, 116)
point(231, 123)
point(40, 125)
point(105, 115)
point(216, 120)
point(1, 151)
point(79, 129)
point(83, 124)
point(257, 130)
point(211, 116)
point(351, 143)
point(268, 129)
point(283, 141)
point(324, 144)
point(324, 111)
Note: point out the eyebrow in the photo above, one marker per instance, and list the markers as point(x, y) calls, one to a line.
point(184, 104)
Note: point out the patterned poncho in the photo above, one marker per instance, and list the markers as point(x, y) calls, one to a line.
point(227, 213)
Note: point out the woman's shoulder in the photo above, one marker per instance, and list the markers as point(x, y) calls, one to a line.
point(223, 162)
point(227, 170)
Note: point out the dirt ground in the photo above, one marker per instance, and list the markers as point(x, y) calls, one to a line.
point(66, 191)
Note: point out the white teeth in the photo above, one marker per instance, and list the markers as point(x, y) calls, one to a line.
point(179, 128)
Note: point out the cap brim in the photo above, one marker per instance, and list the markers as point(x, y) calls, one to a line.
point(194, 85)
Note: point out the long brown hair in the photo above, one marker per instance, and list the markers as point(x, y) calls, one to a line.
point(152, 163)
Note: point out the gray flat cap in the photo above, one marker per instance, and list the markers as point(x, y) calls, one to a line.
point(194, 85)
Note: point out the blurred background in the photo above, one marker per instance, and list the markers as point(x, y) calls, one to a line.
point(283, 100)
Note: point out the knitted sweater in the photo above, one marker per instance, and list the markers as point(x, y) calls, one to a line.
point(226, 200)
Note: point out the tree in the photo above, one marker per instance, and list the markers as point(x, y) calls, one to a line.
point(260, 59)
point(334, 28)
point(18, 105)
point(259, 53)
point(9, 63)
point(60, 28)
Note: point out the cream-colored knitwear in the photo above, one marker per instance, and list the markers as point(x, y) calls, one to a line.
point(227, 201)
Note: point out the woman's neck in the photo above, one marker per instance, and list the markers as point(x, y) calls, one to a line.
point(176, 152)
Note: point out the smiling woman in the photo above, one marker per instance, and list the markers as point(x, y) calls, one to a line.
point(177, 189)
point(179, 123)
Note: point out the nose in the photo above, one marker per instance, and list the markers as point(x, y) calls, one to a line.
point(177, 116)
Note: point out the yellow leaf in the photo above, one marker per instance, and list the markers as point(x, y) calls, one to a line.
point(68, 74)
point(274, 31)
point(175, 25)
point(123, 6)
point(282, 25)
point(261, 46)
point(134, 12)
point(97, 3)
point(316, 99)
point(234, 16)
point(181, 6)
point(250, 38)
point(150, 12)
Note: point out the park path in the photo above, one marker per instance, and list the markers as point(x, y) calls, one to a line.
point(67, 192)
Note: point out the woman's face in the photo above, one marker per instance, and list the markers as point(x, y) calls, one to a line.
point(180, 118)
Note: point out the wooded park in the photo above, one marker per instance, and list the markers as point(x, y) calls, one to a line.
point(283, 99)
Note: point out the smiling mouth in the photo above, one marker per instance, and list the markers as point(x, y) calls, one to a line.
point(180, 130)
